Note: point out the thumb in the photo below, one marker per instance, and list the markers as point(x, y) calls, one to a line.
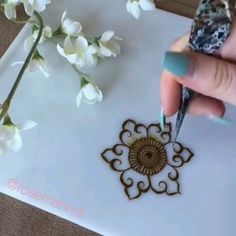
point(204, 74)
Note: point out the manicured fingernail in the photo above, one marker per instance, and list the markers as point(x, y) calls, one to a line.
point(220, 120)
point(162, 118)
point(178, 64)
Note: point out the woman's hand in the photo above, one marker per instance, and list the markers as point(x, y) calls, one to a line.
point(213, 78)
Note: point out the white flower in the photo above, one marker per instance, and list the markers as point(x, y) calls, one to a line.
point(37, 63)
point(29, 5)
point(35, 5)
point(133, 6)
point(40, 64)
point(79, 53)
point(46, 34)
point(91, 55)
point(10, 137)
point(89, 92)
point(70, 27)
point(10, 8)
point(108, 45)
point(69, 51)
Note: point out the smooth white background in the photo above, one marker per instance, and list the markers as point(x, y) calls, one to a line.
point(61, 157)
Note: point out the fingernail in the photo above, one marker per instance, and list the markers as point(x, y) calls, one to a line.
point(178, 64)
point(220, 120)
point(162, 118)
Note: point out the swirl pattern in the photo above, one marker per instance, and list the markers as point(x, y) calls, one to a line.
point(147, 156)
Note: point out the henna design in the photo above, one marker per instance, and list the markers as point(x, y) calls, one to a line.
point(146, 160)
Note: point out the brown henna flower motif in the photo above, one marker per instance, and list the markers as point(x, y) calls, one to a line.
point(146, 160)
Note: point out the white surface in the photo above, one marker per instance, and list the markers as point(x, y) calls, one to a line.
point(61, 157)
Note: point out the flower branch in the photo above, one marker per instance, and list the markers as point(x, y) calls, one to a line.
point(7, 102)
point(79, 50)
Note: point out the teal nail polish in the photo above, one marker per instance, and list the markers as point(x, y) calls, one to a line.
point(178, 64)
point(220, 120)
point(162, 119)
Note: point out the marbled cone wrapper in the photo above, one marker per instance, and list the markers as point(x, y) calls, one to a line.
point(212, 25)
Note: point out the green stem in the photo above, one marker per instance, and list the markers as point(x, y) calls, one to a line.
point(58, 34)
point(25, 21)
point(81, 74)
point(84, 78)
point(7, 102)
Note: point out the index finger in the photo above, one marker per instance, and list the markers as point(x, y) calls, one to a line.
point(170, 88)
